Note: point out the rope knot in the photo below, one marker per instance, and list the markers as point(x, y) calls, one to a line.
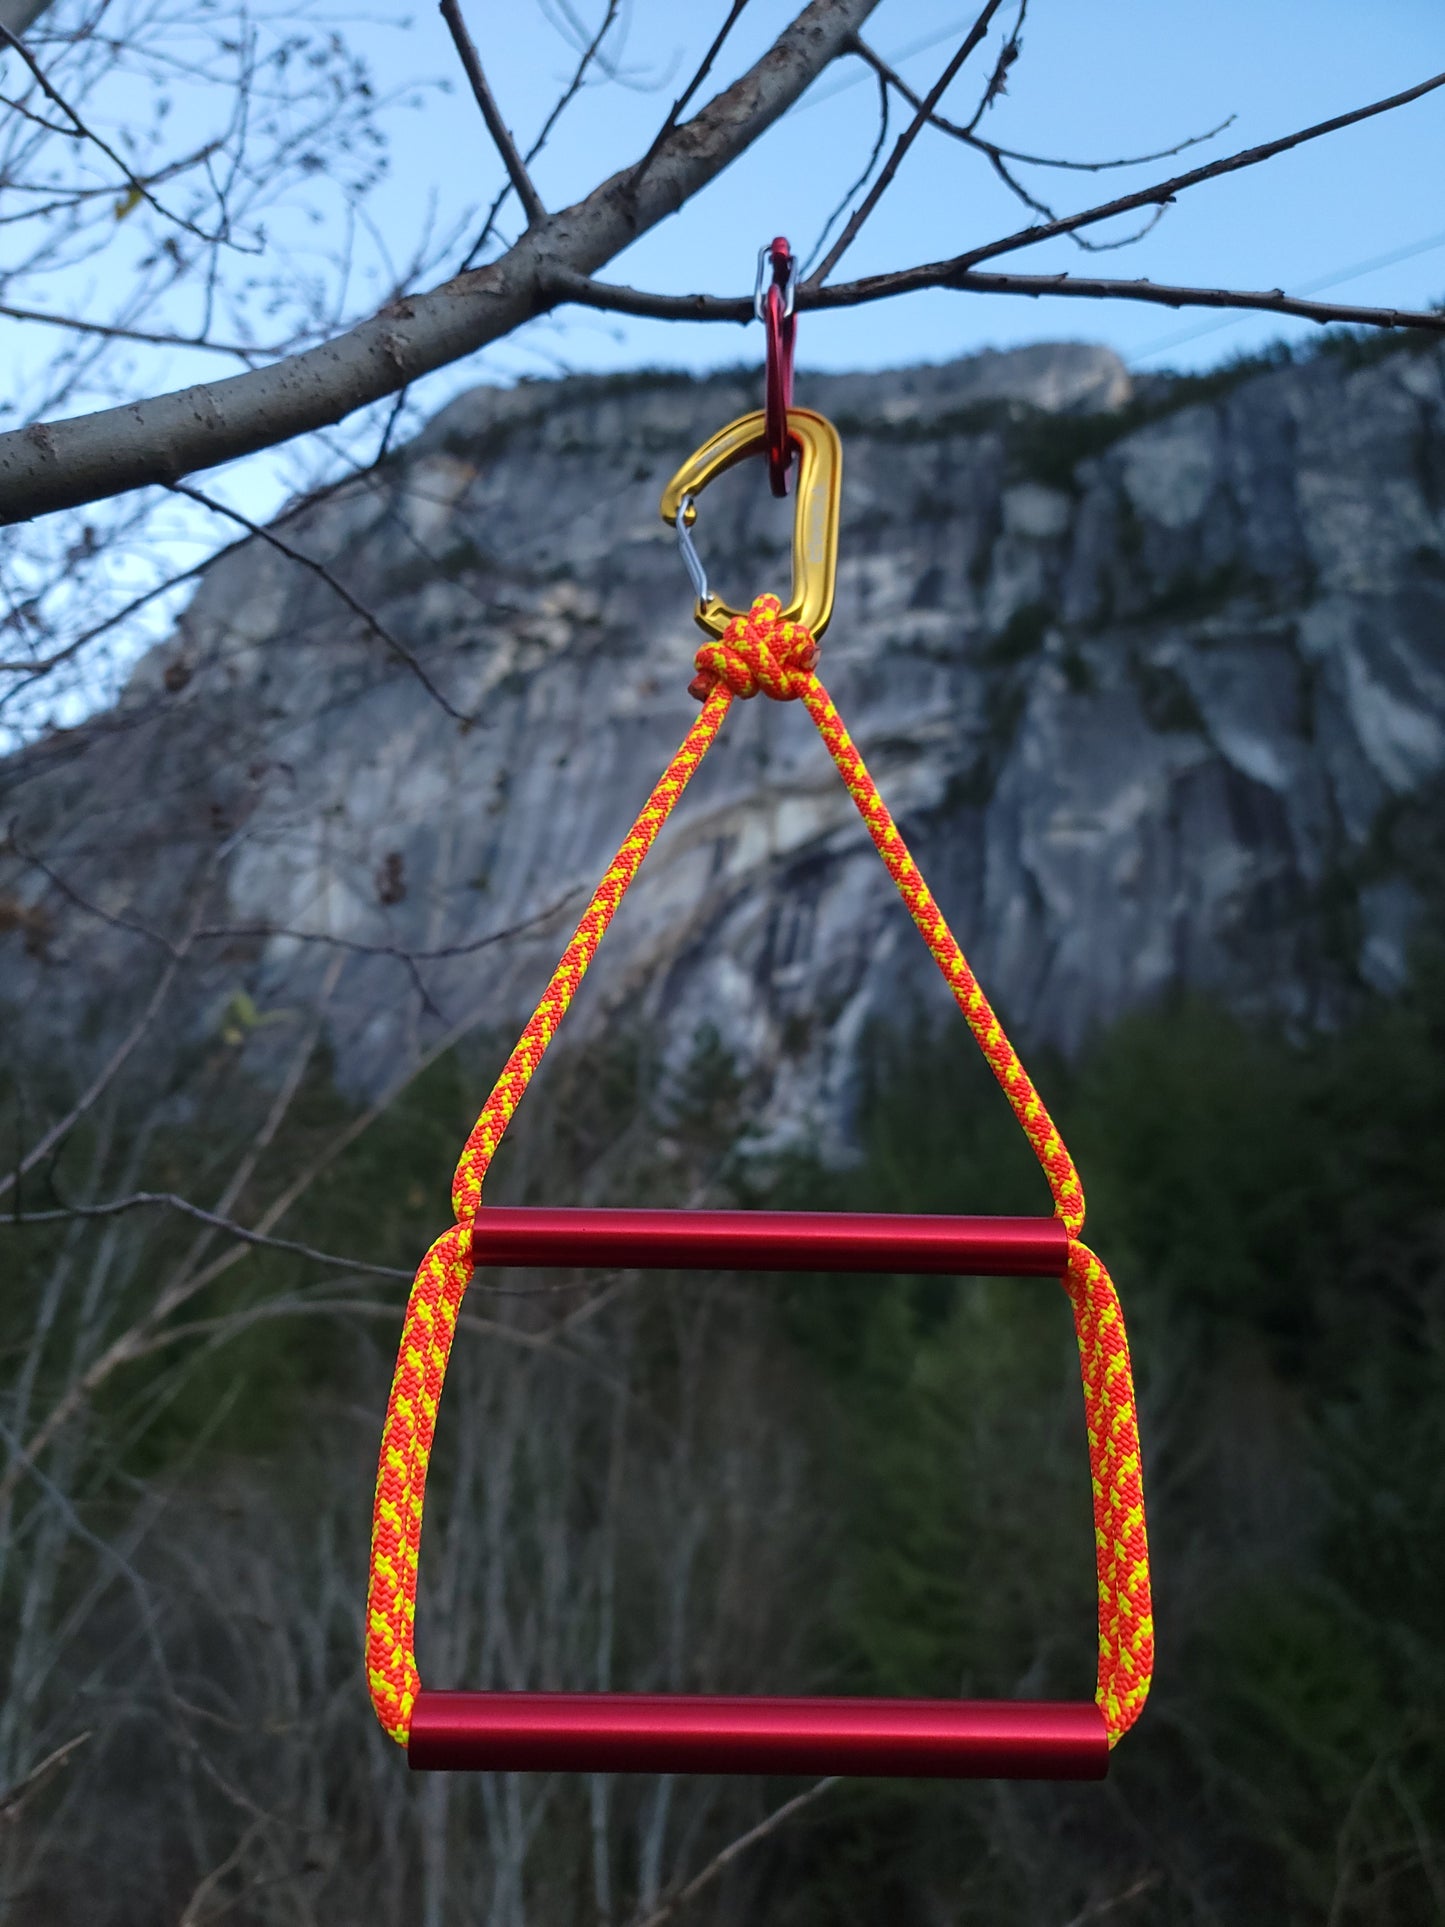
point(758, 651)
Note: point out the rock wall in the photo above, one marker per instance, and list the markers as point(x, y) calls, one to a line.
point(1147, 672)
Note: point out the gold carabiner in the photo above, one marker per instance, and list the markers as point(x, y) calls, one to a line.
point(815, 515)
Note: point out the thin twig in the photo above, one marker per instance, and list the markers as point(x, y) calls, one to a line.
point(722, 1861)
point(951, 127)
point(43, 665)
point(137, 1340)
point(1096, 1909)
point(466, 947)
point(133, 181)
point(1165, 191)
point(36, 120)
point(687, 93)
point(172, 1201)
point(222, 1329)
point(868, 168)
point(185, 1282)
point(14, 1797)
point(943, 274)
point(1008, 53)
point(103, 1079)
point(334, 583)
point(564, 100)
point(516, 168)
point(905, 140)
point(115, 332)
point(231, 932)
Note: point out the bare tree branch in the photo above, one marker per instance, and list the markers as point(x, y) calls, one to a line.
point(36, 120)
point(1096, 1909)
point(999, 157)
point(228, 1325)
point(564, 100)
point(42, 665)
point(1165, 191)
point(411, 960)
point(234, 932)
point(83, 132)
point(53, 465)
point(952, 128)
point(172, 1201)
point(136, 1340)
point(867, 169)
point(905, 140)
point(113, 331)
point(720, 1862)
point(21, 15)
point(13, 1798)
point(501, 134)
point(1008, 53)
point(943, 274)
point(338, 588)
point(703, 69)
point(112, 1067)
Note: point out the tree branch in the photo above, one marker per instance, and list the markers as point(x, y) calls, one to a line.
point(133, 181)
point(13, 1798)
point(720, 1862)
point(1165, 191)
point(999, 157)
point(841, 209)
point(172, 1201)
point(115, 1063)
point(337, 587)
point(943, 274)
point(113, 331)
point(905, 140)
point(704, 68)
point(62, 464)
point(501, 134)
point(564, 100)
point(1008, 53)
point(951, 127)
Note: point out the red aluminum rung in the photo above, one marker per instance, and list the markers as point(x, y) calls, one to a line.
point(678, 1733)
point(772, 1241)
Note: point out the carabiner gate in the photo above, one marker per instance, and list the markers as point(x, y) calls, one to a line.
point(815, 514)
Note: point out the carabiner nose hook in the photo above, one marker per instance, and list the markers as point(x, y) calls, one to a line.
point(815, 514)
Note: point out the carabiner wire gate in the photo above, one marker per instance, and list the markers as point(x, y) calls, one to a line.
point(778, 256)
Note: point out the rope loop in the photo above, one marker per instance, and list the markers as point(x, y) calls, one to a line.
point(759, 651)
point(1126, 1612)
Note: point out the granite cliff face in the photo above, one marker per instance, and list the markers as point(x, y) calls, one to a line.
point(1151, 676)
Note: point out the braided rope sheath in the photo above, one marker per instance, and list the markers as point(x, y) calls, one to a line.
point(445, 1272)
point(761, 652)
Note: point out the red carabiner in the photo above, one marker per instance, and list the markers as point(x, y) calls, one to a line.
point(773, 304)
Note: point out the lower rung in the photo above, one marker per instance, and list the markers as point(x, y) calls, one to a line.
point(681, 1733)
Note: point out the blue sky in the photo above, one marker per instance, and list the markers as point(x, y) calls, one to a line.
point(1111, 78)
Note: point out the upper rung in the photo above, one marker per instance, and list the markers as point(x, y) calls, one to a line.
point(771, 1241)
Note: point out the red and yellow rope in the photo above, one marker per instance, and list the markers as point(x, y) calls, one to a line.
point(762, 652)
